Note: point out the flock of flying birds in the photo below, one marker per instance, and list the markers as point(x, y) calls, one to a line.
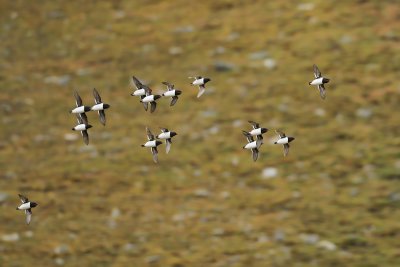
point(146, 97)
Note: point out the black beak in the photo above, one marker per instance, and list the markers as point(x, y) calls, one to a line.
point(105, 106)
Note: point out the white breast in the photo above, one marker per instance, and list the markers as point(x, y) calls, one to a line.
point(139, 92)
point(317, 81)
point(169, 93)
point(256, 132)
point(198, 82)
point(150, 143)
point(25, 206)
point(149, 98)
point(164, 135)
point(80, 127)
point(80, 109)
point(251, 145)
point(98, 107)
point(284, 140)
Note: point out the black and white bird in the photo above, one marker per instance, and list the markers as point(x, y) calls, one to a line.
point(80, 108)
point(319, 81)
point(284, 140)
point(141, 90)
point(100, 106)
point(83, 126)
point(201, 83)
point(150, 98)
point(27, 207)
point(167, 135)
point(172, 92)
point(152, 143)
point(253, 145)
point(257, 130)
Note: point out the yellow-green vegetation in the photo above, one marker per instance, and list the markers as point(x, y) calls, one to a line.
point(334, 201)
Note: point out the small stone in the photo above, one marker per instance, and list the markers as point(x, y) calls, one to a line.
point(235, 161)
point(115, 213)
point(175, 50)
point(59, 261)
point(83, 72)
point(153, 259)
point(184, 29)
point(225, 195)
point(269, 173)
point(364, 113)
point(269, 63)
point(58, 80)
point(219, 50)
point(70, 137)
point(310, 239)
point(258, 55)
point(233, 36)
point(202, 192)
point(305, 6)
point(130, 247)
point(218, 232)
point(394, 197)
point(179, 217)
point(279, 235)
point(222, 66)
point(3, 197)
point(61, 249)
point(214, 129)
point(320, 112)
point(10, 237)
point(326, 245)
point(346, 39)
point(263, 238)
point(119, 14)
point(237, 123)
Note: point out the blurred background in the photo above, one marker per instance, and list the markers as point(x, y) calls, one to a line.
point(334, 201)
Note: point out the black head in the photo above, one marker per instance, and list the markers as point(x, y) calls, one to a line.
point(206, 80)
point(88, 126)
point(325, 80)
point(275, 143)
point(309, 83)
point(156, 97)
point(264, 130)
point(73, 129)
point(33, 204)
point(106, 106)
point(290, 139)
point(173, 134)
point(86, 108)
point(158, 143)
point(178, 92)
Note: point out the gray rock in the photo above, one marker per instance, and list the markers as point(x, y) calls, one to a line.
point(218, 232)
point(364, 113)
point(310, 239)
point(58, 80)
point(202, 192)
point(269, 63)
point(263, 238)
point(269, 173)
point(61, 249)
point(184, 29)
point(326, 245)
point(153, 259)
point(175, 50)
point(10, 237)
point(3, 197)
point(258, 55)
point(306, 6)
point(279, 235)
point(59, 261)
point(320, 112)
point(233, 36)
point(130, 247)
point(222, 66)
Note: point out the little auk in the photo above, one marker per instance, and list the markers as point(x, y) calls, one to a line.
point(167, 135)
point(27, 207)
point(284, 140)
point(100, 106)
point(152, 143)
point(319, 81)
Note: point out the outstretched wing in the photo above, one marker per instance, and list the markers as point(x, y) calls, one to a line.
point(164, 130)
point(28, 213)
point(317, 73)
point(168, 143)
point(153, 106)
point(147, 90)
point(248, 136)
point(280, 133)
point(285, 149)
point(150, 135)
point(254, 151)
point(23, 198)
point(102, 115)
point(78, 99)
point(97, 97)
point(170, 86)
point(137, 83)
point(321, 89)
point(79, 118)
point(155, 154)
point(84, 118)
point(85, 137)
point(201, 90)
point(254, 124)
point(173, 101)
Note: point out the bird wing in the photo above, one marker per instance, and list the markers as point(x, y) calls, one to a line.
point(201, 90)
point(173, 101)
point(254, 151)
point(147, 90)
point(280, 133)
point(170, 86)
point(155, 154)
point(137, 83)
point(150, 135)
point(317, 73)
point(78, 99)
point(28, 213)
point(259, 137)
point(254, 124)
point(97, 97)
point(102, 115)
point(286, 149)
point(85, 137)
point(84, 118)
point(321, 89)
point(164, 130)
point(153, 106)
point(79, 118)
point(248, 136)
point(168, 143)
point(23, 198)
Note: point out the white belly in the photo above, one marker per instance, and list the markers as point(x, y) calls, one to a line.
point(256, 132)
point(150, 143)
point(25, 206)
point(164, 135)
point(317, 81)
point(283, 141)
point(80, 127)
point(139, 92)
point(198, 82)
point(149, 98)
point(251, 145)
point(169, 93)
point(98, 107)
point(80, 109)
